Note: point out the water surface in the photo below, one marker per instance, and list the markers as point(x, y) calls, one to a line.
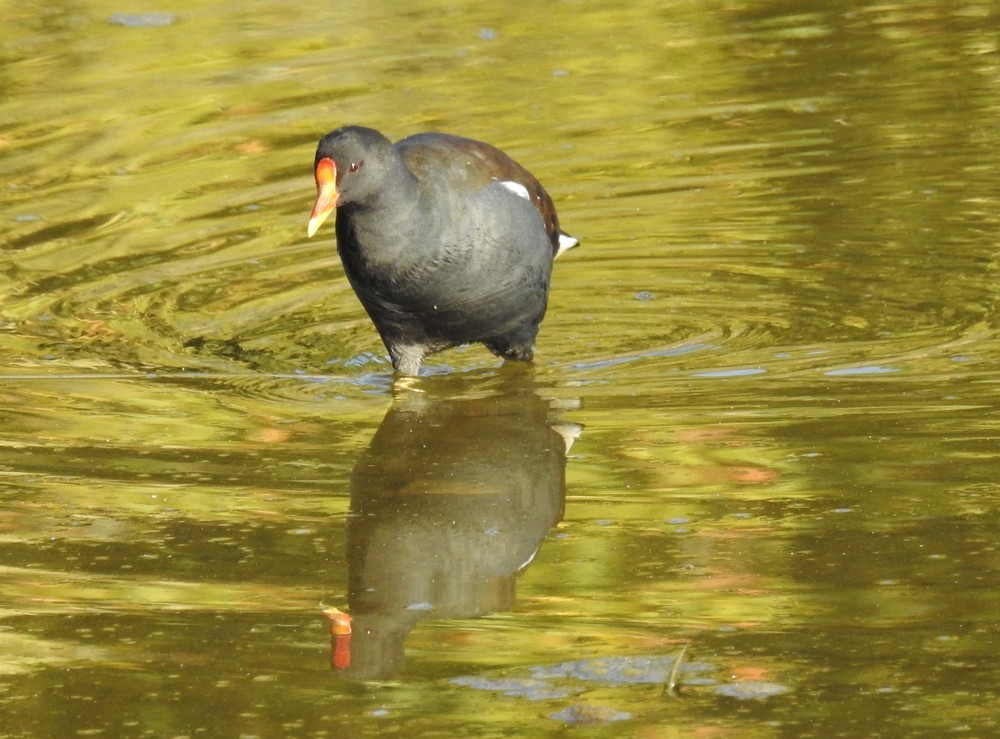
point(748, 488)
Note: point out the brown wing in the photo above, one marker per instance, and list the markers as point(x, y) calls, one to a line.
point(477, 164)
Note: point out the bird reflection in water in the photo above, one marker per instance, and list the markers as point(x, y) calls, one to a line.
point(449, 505)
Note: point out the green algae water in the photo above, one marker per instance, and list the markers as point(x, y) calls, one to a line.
point(749, 486)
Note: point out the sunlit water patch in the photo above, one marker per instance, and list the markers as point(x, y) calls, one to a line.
point(768, 376)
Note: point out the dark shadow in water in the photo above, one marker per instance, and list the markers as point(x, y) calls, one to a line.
point(449, 505)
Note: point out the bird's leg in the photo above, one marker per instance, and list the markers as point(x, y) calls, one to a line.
point(406, 358)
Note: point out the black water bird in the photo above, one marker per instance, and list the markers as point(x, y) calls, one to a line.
point(445, 240)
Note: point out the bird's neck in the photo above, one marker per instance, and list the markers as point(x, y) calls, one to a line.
point(380, 232)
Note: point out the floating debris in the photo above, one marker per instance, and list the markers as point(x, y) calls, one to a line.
point(670, 687)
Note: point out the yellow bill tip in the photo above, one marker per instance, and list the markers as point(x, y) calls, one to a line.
point(326, 194)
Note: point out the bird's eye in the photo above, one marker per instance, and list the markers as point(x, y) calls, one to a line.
point(353, 167)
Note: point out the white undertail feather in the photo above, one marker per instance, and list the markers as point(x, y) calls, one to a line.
point(569, 432)
point(566, 242)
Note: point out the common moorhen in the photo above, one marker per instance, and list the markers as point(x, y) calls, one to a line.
point(445, 240)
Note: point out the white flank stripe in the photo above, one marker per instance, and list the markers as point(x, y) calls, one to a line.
point(517, 188)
